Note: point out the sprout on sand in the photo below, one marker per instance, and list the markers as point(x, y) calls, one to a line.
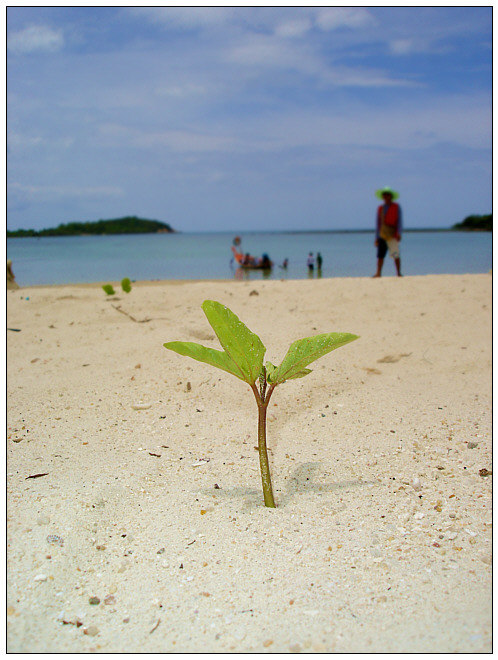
point(108, 288)
point(243, 357)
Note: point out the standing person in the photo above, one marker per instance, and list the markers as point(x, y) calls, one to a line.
point(311, 264)
point(319, 262)
point(389, 227)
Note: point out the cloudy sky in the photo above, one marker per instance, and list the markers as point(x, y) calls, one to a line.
point(238, 118)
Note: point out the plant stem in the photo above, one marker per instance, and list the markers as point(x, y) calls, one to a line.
point(263, 453)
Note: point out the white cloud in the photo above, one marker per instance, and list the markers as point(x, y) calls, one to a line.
point(401, 127)
point(293, 28)
point(180, 91)
point(17, 140)
point(332, 18)
point(410, 46)
point(361, 77)
point(398, 128)
point(175, 140)
point(401, 46)
point(282, 21)
point(35, 38)
point(268, 51)
point(40, 193)
point(185, 17)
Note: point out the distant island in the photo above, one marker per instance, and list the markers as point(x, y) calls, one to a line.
point(475, 223)
point(127, 225)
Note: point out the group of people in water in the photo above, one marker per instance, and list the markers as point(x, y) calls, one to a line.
point(247, 261)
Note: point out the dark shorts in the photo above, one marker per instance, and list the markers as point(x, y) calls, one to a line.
point(381, 248)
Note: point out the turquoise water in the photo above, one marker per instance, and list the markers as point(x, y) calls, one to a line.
point(70, 260)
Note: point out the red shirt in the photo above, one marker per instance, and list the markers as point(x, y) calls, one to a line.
point(390, 216)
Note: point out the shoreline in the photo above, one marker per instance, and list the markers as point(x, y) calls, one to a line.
point(135, 515)
point(117, 284)
point(177, 282)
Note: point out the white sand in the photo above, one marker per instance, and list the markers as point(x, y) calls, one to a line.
point(186, 558)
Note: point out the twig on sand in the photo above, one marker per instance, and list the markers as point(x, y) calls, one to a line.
point(129, 315)
point(146, 320)
point(155, 627)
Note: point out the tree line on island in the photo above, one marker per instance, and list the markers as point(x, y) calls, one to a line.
point(126, 225)
point(476, 223)
point(134, 225)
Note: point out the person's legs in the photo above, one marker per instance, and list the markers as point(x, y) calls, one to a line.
point(394, 252)
point(381, 253)
point(380, 263)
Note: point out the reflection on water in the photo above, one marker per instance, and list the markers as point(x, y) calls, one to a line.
point(253, 273)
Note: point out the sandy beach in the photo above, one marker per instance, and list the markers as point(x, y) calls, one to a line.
point(136, 520)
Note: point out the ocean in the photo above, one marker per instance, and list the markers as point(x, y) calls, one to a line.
point(192, 256)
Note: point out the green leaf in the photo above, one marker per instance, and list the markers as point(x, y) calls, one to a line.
point(300, 374)
point(270, 368)
point(108, 289)
point(126, 284)
point(203, 354)
point(304, 351)
point(244, 347)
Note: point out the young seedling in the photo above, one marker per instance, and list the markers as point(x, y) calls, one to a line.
point(243, 357)
point(126, 284)
point(108, 288)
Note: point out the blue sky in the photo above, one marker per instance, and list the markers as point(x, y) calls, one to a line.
point(239, 118)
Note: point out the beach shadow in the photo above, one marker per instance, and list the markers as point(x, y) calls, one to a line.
point(303, 480)
point(251, 498)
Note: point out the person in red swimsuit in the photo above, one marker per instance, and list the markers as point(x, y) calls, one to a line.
point(388, 232)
